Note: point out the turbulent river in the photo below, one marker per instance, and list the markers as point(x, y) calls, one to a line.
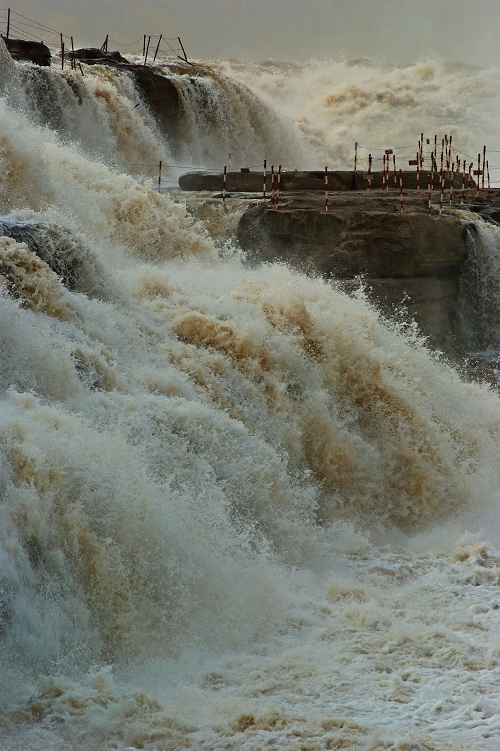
point(239, 509)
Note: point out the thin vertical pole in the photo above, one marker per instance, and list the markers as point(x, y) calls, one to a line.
point(488, 168)
point(383, 175)
point(279, 187)
point(272, 184)
point(73, 63)
point(478, 174)
point(159, 175)
point(230, 161)
point(8, 24)
point(355, 157)
point(441, 193)
point(224, 182)
point(147, 50)
point(62, 52)
point(369, 171)
point(264, 181)
point(418, 171)
point(484, 165)
point(395, 176)
point(144, 46)
point(401, 191)
point(451, 181)
point(326, 188)
point(463, 184)
point(157, 47)
point(429, 194)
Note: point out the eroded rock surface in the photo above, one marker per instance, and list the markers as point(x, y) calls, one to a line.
point(407, 261)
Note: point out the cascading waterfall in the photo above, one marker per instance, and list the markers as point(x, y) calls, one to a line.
point(235, 503)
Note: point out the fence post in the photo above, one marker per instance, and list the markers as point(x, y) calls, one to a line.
point(157, 47)
point(326, 188)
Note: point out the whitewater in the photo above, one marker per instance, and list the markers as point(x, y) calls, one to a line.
point(239, 508)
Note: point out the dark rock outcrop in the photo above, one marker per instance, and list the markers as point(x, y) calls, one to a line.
point(34, 52)
point(408, 262)
point(291, 181)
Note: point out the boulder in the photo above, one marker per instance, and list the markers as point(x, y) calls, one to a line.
point(34, 52)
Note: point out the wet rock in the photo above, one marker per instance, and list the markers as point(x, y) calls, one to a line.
point(408, 262)
point(292, 181)
point(34, 52)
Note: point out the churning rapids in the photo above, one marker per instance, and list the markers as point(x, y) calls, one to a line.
point(238, 509)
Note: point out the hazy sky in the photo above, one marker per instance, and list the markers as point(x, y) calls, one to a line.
point(389, 30)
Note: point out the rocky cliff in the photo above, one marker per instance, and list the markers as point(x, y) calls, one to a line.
point(406, 261)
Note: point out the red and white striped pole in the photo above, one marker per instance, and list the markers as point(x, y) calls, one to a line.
point(279, 187)
point(451, 181)
point(484, 167)
point(429, 189)
point(394, 167)
point(369, 171)
point(441, 193)
point(264, 181)
point(272, 184)
point(446, 143)
point(224, 183)
point(421, 149)
point(451, 150)
point(326, 188)
point(401, 191)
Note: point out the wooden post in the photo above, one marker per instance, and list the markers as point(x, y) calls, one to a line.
point(144, 46)
point(429, 194)
point(264, 181)
point(224, 183)
point(451, 180)
point(104, 47)
point(73, 63)
point(183, 50)
point(272, 184)
point(326, 188)
point(463, 184)
point(383, 175)
point(401, 191)
point(441, 193)
point(62, 52)
point(355, 157)
point(157, 47)
point(369, 172)
point(8, 24)
point(395, 176)
point(279, 187)
point(147, 49)
point(488, 168)
point(159, 175)
point(484, 167)
point(418, 171)
point(478, 173)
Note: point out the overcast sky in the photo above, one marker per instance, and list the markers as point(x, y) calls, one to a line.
point(388, 30)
